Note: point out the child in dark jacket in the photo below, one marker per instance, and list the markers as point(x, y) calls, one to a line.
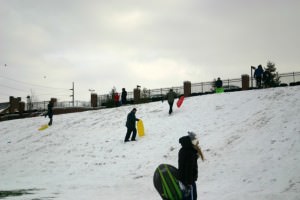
point(187, 164)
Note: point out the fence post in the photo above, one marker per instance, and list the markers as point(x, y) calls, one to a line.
point(245, 82)
point(136, 95)
point(94, 100)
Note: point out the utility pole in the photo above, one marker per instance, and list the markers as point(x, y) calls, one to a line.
point(252, 68)
point(72, 94)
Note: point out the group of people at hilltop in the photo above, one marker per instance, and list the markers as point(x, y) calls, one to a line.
point(261, 75)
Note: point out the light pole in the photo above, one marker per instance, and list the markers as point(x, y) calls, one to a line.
point(91, 90)
point(72, 93)
point(252, 68)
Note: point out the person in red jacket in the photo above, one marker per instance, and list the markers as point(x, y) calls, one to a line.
point(117, 99)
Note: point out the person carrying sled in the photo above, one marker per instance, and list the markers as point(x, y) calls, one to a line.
point(258, 74)
point(50, 111)
point(219, 85)
point(130, 124)
point(187, 164)
point(171, 95)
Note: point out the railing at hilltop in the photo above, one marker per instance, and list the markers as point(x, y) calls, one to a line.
point(200, 88)
point(148, 95)
point(43, 105)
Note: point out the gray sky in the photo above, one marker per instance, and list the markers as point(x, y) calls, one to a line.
point(99, 44)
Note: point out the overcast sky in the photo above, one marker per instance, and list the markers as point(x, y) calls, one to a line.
point(47, 45)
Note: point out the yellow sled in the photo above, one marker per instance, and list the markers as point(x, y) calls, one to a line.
point(140, 128)
point(43, 127)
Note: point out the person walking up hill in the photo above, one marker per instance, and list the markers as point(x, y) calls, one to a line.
point(171, 95)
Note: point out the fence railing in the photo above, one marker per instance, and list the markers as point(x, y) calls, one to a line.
point(43, 105)
point(156, 94)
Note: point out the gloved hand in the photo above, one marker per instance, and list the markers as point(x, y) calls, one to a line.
point(187, 191)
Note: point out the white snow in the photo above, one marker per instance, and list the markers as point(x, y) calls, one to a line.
point(250, 139)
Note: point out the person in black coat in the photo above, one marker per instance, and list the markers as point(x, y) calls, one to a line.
point(187, 164)
point(50, 112)
point(124, 96)
point(130, 124)
point(219, 83)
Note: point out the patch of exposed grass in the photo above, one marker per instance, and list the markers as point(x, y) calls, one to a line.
point(9, 193)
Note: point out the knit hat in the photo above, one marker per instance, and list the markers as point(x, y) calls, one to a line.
point(193, 137)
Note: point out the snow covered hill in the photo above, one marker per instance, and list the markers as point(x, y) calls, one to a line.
point(251, 142)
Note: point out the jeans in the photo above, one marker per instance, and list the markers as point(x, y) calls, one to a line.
point(193, 194)
point(171, 107)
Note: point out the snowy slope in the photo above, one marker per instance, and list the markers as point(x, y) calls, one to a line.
point(251, 141)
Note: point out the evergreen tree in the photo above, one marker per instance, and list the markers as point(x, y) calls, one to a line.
point(274, 79)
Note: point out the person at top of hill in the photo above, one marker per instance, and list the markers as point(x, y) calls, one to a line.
point(187, 164)
point(117, 99)
point(258, 74)
point(219, 83)
point(171, 95)
point(50, 111)
point(124, 96)
point(130, 124)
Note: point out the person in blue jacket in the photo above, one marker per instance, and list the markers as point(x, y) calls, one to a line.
point(258, 74)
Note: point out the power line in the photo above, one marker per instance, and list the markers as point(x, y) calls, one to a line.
point(11, 88)
point(36, 85)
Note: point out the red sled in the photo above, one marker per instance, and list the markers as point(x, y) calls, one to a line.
point(180, 101)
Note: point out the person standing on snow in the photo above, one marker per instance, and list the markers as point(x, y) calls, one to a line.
point(171, 95)
point(130, 124)
point(50, 111)
point(117, 99)
point(219, 83)
point(258, 74)
point(124, 96)
point(188, 166)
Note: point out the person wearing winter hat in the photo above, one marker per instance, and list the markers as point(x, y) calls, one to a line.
point(195, 143)
point(187, 164)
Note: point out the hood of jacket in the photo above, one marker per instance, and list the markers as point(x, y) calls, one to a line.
point(186, 142)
